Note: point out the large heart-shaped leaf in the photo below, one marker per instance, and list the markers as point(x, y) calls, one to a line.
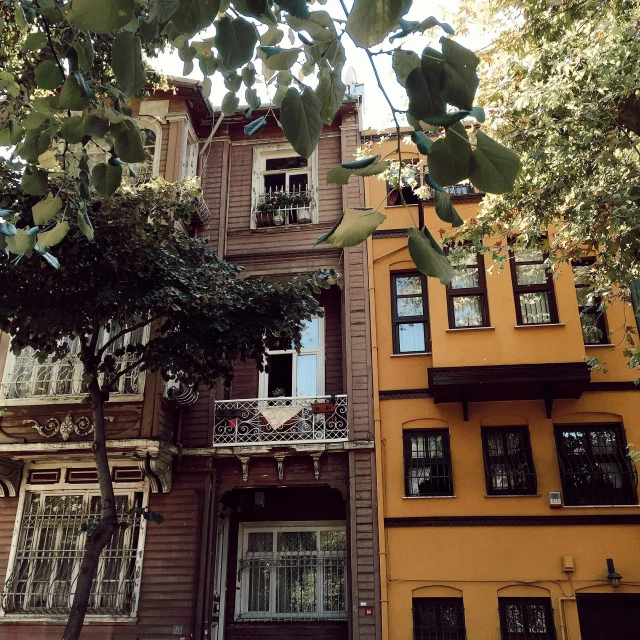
point(445, 209)
point(22, 242)
point(460, 80)
point(425, 100)
point(128, 143)
point(73, 95)
point(236, 41)
point(493, 168)
point(301, 120)
point(36, 142)
point(85, 225)
point(230, 103)
point(101, 16)
point(319, 26)
point(10, 134)
point(403, 63)
point(449, 156)
point(105, 178)
point(428, 256)
point(35, 41)
point(192, 16)
point(48, 75)
point(95, 126)
point(297, 8)
point(35, 182)
point(422, 141)
point(46, 209)
point(370, 21)
point(126, 62)
point(278, 59)
point(72, 129)
point(330, 91)
point(84, 49)
point(354, 227)
point(370, 166)
point(54, 236)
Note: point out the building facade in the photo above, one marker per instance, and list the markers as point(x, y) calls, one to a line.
point(267, 488)
point(504, 479)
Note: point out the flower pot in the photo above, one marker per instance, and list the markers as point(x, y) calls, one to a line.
point(304, 216)
point(278, 218)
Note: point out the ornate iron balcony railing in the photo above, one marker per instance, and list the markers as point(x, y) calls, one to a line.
point(280, 420)
point(283, 208)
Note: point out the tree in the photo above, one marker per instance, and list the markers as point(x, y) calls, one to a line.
point(71, 69)
point(564, 92)
point(141, 279)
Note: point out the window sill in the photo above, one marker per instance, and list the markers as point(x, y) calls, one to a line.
point(513, 495)
point(538, 326)
point(456, 329)
point(415, 353)
point(600, 506)
point(48, 400)
point(9, 618)
point(606, 345)
point(428, 497)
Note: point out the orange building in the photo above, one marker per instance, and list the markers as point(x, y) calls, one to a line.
point(504, 479)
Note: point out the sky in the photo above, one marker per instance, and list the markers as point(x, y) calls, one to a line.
point(376, 111)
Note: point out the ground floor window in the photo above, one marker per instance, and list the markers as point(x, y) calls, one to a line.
point(526, 619)
point(293, 572)
point(438, 619)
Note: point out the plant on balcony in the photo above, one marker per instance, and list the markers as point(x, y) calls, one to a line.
point(274, 208)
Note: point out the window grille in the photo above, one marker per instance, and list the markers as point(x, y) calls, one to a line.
point(146, 168)
point(508, 461)
point(532, 287)
point(427, 463)
point(49, 552)
point(592, 316)
point(467, 294)
point(438, 619)
point(410, 313)
point(526, 619)
point(595, 467)
point(294, 573)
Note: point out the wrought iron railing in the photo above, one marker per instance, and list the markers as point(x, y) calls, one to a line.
point(282, 208)
point(282, 420)
point(460, 189)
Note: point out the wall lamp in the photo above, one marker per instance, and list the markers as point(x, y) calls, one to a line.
point(613, 575)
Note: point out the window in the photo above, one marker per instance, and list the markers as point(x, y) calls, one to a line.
point(151, 141)
point(508, 461)
point(190, 168)
point(293, 572)
point(427, 463)
point(532, 287)
point(594, 465)
point(292, 374)
point(283, 187)
point(410, 313)
point(526, 619)
point(438, 619)
point(408, 182)
point(592, 318)
point(467, 294)
point(25, 377)
point(47, 552)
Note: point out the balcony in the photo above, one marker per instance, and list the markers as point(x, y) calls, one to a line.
point(280, 420)
point(283, 208)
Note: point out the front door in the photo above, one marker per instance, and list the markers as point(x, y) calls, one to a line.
point(609, 616)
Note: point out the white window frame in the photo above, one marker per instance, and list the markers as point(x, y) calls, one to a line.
point(263, 379)
point(264, 152)
point(242, 586)
point(64, 488)
point(147, 122)
point(192, 148)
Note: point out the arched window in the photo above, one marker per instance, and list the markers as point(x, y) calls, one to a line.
point(151, 141)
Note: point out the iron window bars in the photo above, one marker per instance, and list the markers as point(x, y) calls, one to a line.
point(410, 313)
point(508, 461)
point(467, 294)
point(438, 619)
point(592, 317)
point(526, 619)
point(533, 290)
point(595, 468)
point(427, 463)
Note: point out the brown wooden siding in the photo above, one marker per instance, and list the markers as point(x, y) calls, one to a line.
point(197, 421)
point(213, 192)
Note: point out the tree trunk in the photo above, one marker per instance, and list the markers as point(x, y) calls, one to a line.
point(99, 536)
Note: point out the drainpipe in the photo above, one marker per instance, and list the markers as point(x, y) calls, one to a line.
point(382, 535)
point(563, 616)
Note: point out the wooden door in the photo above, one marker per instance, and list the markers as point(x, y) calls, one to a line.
point(609, 616)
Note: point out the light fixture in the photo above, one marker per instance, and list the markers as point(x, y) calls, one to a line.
point(613, 575)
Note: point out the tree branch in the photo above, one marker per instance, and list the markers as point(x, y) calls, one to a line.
point(139, 325)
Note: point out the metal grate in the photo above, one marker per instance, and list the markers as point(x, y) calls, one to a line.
point(277, 208)
point(526, 619)
point(427, 463)
point(594, 465)
point(438, 619)
point(49, 552)
point(508, 461)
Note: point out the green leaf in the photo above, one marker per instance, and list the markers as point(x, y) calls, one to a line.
point(95, 126)
point(73, 95)
point(330, 91)
point(249, 75)
point(278, 59)
point(370, 166)
point(445, 209)
point(236, 41)
point(128, 143)
point(449, 156)
point(106, 178)
point(403, 63)
point(85, 225)
point(36, 141)
point(428, 180)
point(280, 95)
point(206, 87)
point(48, 75)
point(52, 260)
point(422, 141)
point(319, 26)
point(35, 41)
point(493, 168)
point(101, 16)
point(72, 129)
point(44, 106)
point(297, 8)
point(46, 209)
point(22, 243)
point(10, 134)
point(84, 49)
point(428, 256)
point(230, 103)
point(35, 182)
point(271, 37)
point(8, 229)
point(478, 114)
point(447, 119)
point(424, 99)
point(233, 81)
point(354, 227)
point(251, 96)
point(21, 20)
point(208, 65)
point(192, 16)
point(255, 127)
point(370, 21)
point(161, 11)
point(460, 80)
point(301, 120)
point(33, 120)
point(54, 236)
point(126, 62)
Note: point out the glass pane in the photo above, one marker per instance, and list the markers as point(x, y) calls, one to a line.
point(259, 585)
point(467, 311)
point(515, 620)
point(537, 621)
point(535, 308)
point(275, 182)
point(296, 585)
point(466, 278)
point(297, 541)
point(411, 337)
point(282, 164)
point(604, 442)
point(528, 255)
point(260, 542)
point(531, 274)
point(591, 332)
point(299, 182)
point(408, 285)
point(311, 334)
point(307, 375)
point(333, 540)
point(410, 307)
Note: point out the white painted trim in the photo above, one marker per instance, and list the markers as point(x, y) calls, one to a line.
point(135, 446)
point(220, 582)
point(250, 141)
point(147, 122)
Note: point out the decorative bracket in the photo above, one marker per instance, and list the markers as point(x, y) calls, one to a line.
point(280, 460)
point(158, 469)
point(244, 461)
point(316, 464)
point(10, 475)
point(81, 426)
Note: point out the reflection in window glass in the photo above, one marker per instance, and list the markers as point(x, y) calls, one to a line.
point(411, 337)
point(408, 286)
point(535, 308)
point(467, 311)
point(410, 307)
point(409, 303)
point(311, 334)
point(307, 375)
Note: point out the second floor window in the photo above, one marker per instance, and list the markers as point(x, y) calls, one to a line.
point(595, 468)
point(592, 318)
point(508, 461)
point(467, 294)
point(526, 619)
point(532, 287)
point(438, 619)
point(404, 192)
point(410, 313)
point(427, 463)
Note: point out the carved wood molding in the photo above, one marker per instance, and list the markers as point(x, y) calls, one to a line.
point(10, 476)
point(81, 426)
point(158, 469)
